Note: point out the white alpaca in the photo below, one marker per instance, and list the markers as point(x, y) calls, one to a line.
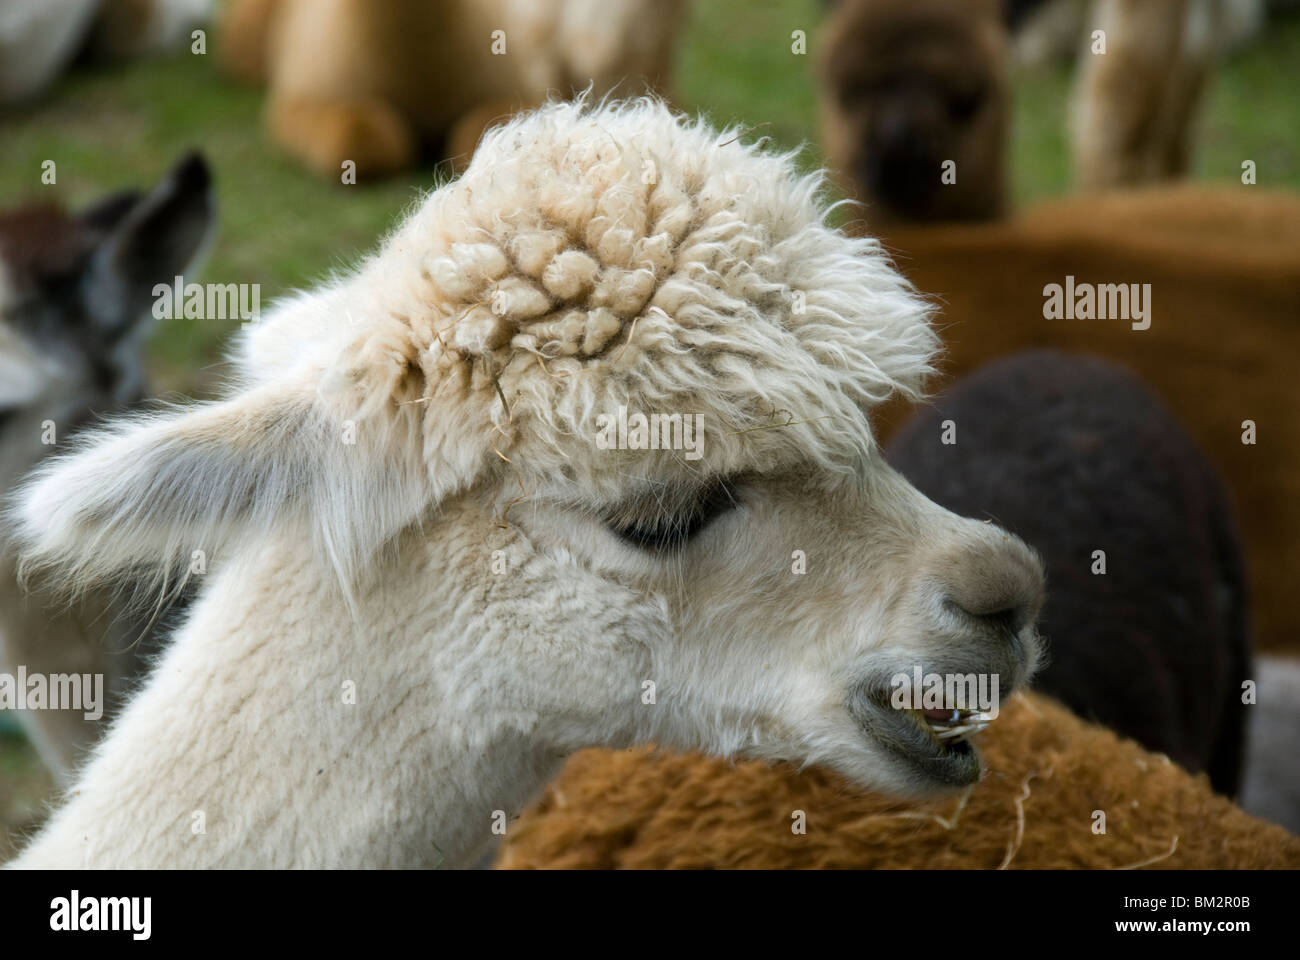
point(427, 583)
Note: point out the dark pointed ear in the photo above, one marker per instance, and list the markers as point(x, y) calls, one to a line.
point(107, 212)
point(1016, 12)
point(149, 242)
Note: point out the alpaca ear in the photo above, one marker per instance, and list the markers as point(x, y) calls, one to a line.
point(153, 489)
point(107, 212)
point(151, 240)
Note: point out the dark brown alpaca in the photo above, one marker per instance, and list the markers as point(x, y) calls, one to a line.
point(915, 101)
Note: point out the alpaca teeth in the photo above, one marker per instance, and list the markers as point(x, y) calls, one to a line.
point(959, 725)
point(961, 718)
point(959, 732)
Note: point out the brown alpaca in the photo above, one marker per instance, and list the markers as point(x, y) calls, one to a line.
point(379, 83)
point(1223, 266)
point(1049, 774)
point(908, 86)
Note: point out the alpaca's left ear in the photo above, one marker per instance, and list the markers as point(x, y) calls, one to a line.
point(150, 491)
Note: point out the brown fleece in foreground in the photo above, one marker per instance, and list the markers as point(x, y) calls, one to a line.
point(1046, 772)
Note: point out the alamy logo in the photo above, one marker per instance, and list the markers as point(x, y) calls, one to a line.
point(1106, 301)
point(207, 301)
point(133, 914)
point(945, 691)
point(57, 691)
point(658, 431)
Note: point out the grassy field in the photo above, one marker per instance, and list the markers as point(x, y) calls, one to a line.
point(282, 228)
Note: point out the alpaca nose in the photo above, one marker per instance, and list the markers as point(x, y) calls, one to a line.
point(995, 582)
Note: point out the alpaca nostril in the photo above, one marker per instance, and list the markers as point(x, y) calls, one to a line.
point(997, 583)
point(1007, 619)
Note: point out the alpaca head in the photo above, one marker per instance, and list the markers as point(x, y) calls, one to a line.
point(75, 296)
point(915, 103)
point(626, 352)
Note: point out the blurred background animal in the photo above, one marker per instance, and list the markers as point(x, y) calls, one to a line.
point(76, 298)
point(916, 97)
point(1044, 31)
point(382, 84)
point(1140, 85)
point(1147, 619)
point(39, 39)
point(1224, 297)
point(915, 106)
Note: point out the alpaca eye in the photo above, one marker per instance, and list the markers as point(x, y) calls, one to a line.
point(660, 530)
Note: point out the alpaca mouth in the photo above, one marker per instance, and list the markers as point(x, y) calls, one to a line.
point(934, 745)
point(943, 751)
point(948, 732)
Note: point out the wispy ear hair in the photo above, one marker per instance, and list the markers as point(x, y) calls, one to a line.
point(139, 497)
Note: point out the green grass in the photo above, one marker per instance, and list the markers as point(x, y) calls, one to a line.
point(1040, 156)
point(736, 65)
point(1253, 113)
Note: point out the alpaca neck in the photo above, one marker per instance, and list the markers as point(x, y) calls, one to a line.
point(277, 734)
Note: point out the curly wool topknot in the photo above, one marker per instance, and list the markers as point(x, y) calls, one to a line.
point(603, 232)
point(670, 264)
